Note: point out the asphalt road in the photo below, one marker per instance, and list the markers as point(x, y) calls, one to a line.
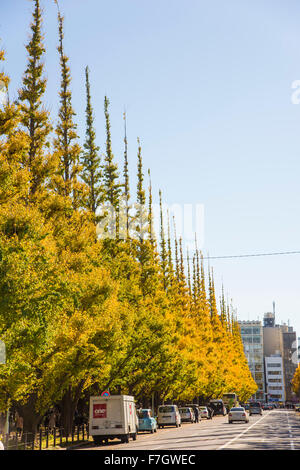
point(274, 430)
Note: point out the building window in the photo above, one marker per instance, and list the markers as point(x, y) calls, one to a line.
point(256, 339)
point(246, 331)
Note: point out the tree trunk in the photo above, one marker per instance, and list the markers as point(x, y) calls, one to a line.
point(31, 418)
point(68, 406)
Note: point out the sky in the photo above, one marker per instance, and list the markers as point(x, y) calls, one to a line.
point(207, 87)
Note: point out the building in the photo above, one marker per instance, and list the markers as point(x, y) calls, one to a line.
point(273, 340)
point(280, 340)
point(275, 378)
point(272, 355)
point(269, 320)
point(252, 337)
point(290, 361)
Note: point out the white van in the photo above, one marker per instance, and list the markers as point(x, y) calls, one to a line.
point(168, 415)
point(112, 417)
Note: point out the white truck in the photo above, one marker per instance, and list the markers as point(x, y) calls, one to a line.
point(112, 417)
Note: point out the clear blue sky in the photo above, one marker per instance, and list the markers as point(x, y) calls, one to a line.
point(207, 88)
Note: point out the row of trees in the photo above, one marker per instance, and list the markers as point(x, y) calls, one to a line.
point(81, 313)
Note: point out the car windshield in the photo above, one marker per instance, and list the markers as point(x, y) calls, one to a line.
point(184, 410)
point(237, 409)
point(166, 409)
point(144, 414)
point(255, 405)
point(203, 408)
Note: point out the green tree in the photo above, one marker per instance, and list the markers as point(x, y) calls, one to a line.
point(163, 248)
point(112, 187)
point(67, 149)
point(91, 172)
point(126, 191)
point(34, 116)
point(141, 215)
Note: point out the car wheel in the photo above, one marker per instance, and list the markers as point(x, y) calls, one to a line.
point(97, 441)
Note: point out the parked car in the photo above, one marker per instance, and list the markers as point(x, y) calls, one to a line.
point(267, 406)
point(297, 407)
point(255, 408)
point(204, 412)
point(187, 415)
point(196, 409)
point(146, 421)
point(238, 414)
point(168, 415)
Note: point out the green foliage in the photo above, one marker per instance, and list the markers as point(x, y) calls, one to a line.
point(34, 117)
point(67, 149)
point(91, 172)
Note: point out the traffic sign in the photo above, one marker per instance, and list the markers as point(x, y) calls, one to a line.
point(105, 393)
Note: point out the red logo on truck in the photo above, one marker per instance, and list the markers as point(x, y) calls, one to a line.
point(99, 410)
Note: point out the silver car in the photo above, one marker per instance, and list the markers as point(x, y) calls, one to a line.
point(238, 414)
point(255, 409)
point(204, 412)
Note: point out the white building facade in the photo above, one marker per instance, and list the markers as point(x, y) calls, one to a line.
point(275, 378)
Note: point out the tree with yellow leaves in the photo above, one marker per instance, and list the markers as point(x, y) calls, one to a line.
point(296, 381)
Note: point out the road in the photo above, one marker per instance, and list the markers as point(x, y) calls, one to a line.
point(274, 430)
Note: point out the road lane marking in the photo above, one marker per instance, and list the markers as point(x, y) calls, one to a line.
point(242, 433)
point(290, 432)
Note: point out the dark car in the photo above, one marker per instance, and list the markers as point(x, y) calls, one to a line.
point(218, 407)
